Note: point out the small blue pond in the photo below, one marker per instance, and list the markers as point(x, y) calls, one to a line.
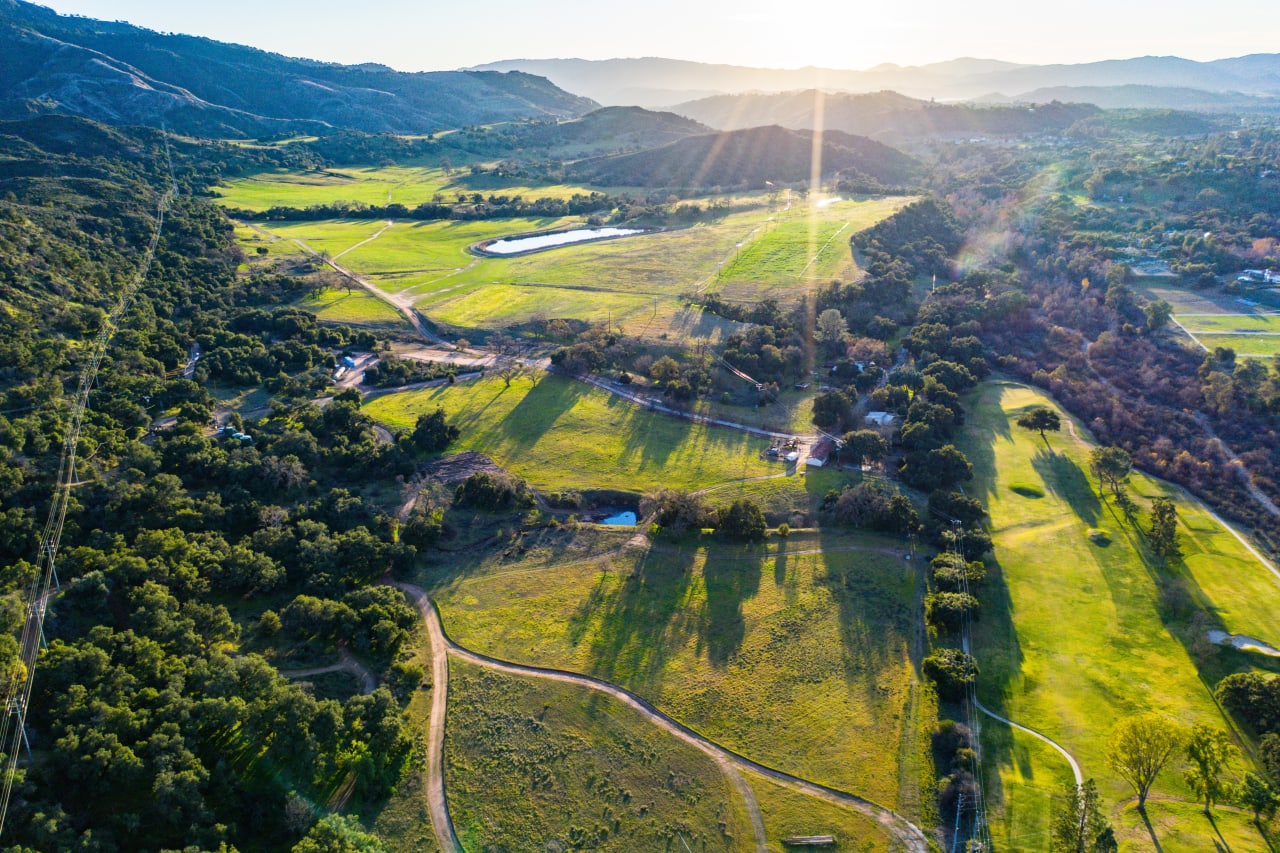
point(622, 519)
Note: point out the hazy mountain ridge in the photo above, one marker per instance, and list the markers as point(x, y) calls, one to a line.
point(657, 82)
point(882, 114)
point(128, 75)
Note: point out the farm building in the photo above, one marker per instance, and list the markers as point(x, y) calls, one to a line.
point(821, 453)
point(881, 418)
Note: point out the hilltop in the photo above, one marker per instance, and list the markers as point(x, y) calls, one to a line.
point(749, 158)
point(122, 74)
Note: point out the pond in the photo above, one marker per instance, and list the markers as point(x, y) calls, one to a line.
point(622, 519)
point(536, 242)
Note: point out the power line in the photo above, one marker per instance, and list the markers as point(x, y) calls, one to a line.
point(44, 582)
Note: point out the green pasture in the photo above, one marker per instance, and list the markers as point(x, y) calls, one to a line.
point(1231, 323)
point(333, 236)
point(797, 655)
point(409, 247)
point(502, 305)
point(1078, 630)
point(356, 307)
point(1264, 346)
point(788, 813)
point(801, 247)
point(559, 433)
point(537, 765)
point(375, 186)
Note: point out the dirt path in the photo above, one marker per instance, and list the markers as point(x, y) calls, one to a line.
point(907, 834)
point(365, 242)
point(437, 803)
point(1075, 766)
point(346, 663)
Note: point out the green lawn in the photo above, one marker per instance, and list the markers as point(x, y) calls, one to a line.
point(794, 657)
point(536, 765)
point(1076, 633)
point(558, 433)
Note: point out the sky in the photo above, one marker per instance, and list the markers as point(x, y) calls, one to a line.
point(425, 35)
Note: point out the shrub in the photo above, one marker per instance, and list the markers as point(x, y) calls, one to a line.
point(743, 521)
point(946, 610)
point(951, 670)
point(675, 510)
point(491, 492)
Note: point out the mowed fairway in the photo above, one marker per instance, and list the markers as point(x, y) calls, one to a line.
point(536, 765)
point(798, 656)
point(1079, 630)
point(561, 434)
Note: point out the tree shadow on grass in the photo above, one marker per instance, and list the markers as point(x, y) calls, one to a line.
point(1067, 481)
point(1151, 830)
point(643, 620)
point(730, 579)
point(538, 410)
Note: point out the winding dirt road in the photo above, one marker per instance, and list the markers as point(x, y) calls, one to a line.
point(907, 834)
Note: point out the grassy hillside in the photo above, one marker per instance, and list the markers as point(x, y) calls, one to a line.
point(562, 434)
point(799, 655)
point(534, 765)
point(1082, 625)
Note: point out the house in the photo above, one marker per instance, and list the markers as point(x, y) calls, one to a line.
point(820, 453)
point(882, 419)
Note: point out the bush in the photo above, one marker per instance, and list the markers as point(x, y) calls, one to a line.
point(432, 433)
point(946, 610)
point(951, 670)
point(743, 521)
point(492, 492)
point(1252, 697)
point(675, 510)
point(951, 572)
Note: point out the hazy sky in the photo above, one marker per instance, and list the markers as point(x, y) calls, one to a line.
point(436, 34)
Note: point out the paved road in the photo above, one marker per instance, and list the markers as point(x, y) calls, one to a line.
point(907, 834)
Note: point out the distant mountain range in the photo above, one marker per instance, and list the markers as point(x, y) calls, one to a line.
point(883, 115)
point(121, 74)
point(1250, 82)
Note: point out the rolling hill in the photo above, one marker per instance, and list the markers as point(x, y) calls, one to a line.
point(122, 74)
point(750, 159)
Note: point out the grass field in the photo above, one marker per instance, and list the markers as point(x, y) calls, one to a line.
point(333, 236)
point(750, 251)
point(436, 246)
point(1076, 631)
point(1249, 324)
point(534, 765)
point(787, 813)
point(558, 433)
point(356, 307)
point(802, 247)
point(798, 657)
point(502, 305)
point(372, 185)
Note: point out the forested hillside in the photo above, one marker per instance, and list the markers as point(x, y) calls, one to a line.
point(121, 74)
point(159, 723)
